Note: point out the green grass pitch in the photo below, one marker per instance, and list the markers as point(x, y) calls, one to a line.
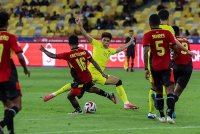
point(51, 117)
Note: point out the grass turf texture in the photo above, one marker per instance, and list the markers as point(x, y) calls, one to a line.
point(51, 117)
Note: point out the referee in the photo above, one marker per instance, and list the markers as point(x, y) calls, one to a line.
point(130, 52)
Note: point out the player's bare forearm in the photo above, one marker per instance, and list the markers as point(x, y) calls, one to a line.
point(126, 45)
point(97, 66)
point(185, 49)
point(181, 46)
point(49, 54)
point(85, 34)
point(23, 63)
point(146, 50)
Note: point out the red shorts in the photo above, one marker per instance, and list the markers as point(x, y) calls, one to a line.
point(77, 91)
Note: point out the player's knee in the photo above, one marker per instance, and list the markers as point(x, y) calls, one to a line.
point(16, 109)
point(119, 83)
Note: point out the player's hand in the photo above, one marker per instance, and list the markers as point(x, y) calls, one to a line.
point(27, 72)
point(147, 74)
point(42, 48)
point(78, 21)
point(192, 54)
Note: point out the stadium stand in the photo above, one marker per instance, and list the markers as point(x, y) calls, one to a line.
point(115, 16)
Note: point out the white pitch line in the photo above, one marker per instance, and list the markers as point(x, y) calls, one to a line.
point(112, 130)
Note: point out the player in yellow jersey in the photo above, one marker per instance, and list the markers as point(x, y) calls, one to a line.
point(101, 54)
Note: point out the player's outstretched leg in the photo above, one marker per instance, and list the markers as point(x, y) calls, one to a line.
point(101, 92)
point(63, 89)
point(113, 98)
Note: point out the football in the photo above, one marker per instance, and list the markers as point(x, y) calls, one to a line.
point(90, 107)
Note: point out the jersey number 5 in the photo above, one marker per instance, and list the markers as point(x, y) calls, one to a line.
point(1, 51)
point(81, 63)
point(160, 49)
point(185, 45)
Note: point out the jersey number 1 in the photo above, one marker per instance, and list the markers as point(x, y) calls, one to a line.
point(81, 63)
point(1, 51)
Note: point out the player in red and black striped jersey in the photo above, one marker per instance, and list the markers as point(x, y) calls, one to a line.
point(10, 93)
point(159, 42)
point(182, 66)
point(77, 60)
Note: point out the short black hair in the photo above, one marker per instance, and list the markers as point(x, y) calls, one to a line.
point(4, 17)
point(73, 40)
point(163, 14)
point(176, 30)
point(130, 30)
point(154, 20)
point(106, 34)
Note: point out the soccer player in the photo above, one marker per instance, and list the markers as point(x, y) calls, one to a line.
point(101, 54)
point(159, 42)
point(10, 92)
point(77, 60)
point(182, 66)
point(130, 52)
point(164, 17)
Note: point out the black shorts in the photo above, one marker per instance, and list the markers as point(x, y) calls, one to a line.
point(9, 90)
point(182, 74)
point(162, 77)
point(79, 92)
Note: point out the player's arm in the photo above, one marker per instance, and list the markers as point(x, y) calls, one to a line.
point(23, 63)
point(185, 49)
point(85, 34)
point(97, 67)
point(119, 49)
point(145, 51)
point(49, 54)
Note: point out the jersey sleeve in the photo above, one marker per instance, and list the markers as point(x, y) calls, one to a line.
point(145, 40)
point(61, 56)
point(171, 38)
point(88, 55)
point(15, 45)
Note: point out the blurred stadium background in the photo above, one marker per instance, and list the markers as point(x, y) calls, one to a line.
point(36, 18)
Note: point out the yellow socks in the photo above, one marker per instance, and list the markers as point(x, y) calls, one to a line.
point(63, 89)
point(122, 93)
point(151, 102)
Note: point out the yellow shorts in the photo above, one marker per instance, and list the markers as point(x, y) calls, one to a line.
point(97, 77)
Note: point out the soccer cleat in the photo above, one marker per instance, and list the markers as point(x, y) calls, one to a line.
point(170, 120)
point(127, 70)
point(132, 70)
point(76, 112)
point(162, 119)
point(174, 115)
point(151, 116)
point(48, 97)
point(1, 130)
point(130, 106)
point(113, 98)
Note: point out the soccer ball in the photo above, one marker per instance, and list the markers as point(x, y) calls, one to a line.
point(90, 107)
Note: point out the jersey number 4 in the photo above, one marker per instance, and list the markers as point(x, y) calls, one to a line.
point(1, 51)
point(81, 63)
point(160, 49)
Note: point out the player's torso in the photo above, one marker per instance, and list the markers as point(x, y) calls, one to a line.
point(101, 55)
point(5, 52)
point(78, 59)
point(182, 57)
point(159, 46)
